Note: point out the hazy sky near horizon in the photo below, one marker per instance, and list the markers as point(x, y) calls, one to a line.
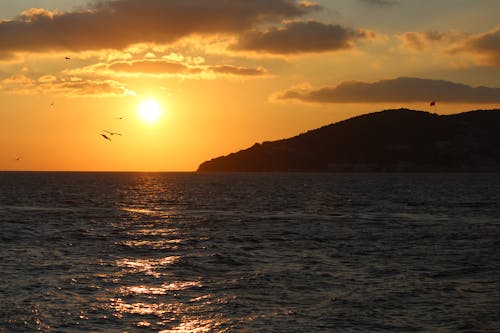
point(226, 73)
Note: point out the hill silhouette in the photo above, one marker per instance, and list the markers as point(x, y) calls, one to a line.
point(390, 140)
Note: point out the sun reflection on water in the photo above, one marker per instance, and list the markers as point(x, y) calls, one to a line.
point(174, 317)
point(140, 308)
point(164, 232)
point(146, 266)
point(198, 326)
point(158, 294)
point(138, 210)
point(143, 324)
point(171, 244)
point(164, 289)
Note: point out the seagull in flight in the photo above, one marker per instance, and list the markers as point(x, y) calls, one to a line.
point(112, 133)
point(106, 137)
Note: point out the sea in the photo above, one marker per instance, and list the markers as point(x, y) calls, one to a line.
point(249, 252)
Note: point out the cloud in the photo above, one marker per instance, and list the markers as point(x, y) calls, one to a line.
point(156, 67)
point(238, 70)
point(418, 41)
point(171, 66)
point(70, 87)
point(486, 46)
point(120, 23)
point(380, 2)
point(402, 89)
point(300, 37)
point(9, 57)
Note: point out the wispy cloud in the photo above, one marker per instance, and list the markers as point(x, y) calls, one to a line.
point(9, 57)
point(486, 47)
point(166, 67)
point(69, 87)
point(402, 89)
point(152, 67)
point(419, 41)
point(380, 2)
point(121, 23)
point(238, 70)
point(300, 37)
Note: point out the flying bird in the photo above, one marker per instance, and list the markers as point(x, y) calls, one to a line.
point(432, 103)
point(67, 58)
point(120, 118)
point(112, 133)
point(106, 137)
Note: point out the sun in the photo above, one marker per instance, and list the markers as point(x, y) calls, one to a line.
point(150, 110)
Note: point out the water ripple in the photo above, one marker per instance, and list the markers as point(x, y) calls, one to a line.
point(249, 253)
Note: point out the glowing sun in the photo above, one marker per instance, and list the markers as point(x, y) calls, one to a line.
point(150, 110)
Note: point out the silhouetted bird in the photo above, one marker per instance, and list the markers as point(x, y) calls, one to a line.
point(106, 137)
point(67, 58)
point(119, 118)
point(432, 103)
point(112, 133)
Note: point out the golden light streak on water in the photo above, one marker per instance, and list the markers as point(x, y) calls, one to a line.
point(146, 266)
point(197, 325)
point(162, 290)
point(140, 308)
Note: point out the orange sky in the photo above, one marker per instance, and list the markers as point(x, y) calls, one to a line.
point(226, 73)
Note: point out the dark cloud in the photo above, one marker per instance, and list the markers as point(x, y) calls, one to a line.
point(402, 89)
point(121, 23)
point(300, 37)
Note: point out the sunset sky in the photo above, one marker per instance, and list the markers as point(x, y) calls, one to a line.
point(225, 73)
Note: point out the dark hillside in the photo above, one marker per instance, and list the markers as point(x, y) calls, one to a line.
point(391, 140)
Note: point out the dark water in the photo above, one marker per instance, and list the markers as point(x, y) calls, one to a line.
point(110, 252)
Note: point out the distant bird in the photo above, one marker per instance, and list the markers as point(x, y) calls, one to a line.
point(112, 133)
point(18, 159)
point(106, 137)
point(120, 118)
point(67, 58)
point(432, 103)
